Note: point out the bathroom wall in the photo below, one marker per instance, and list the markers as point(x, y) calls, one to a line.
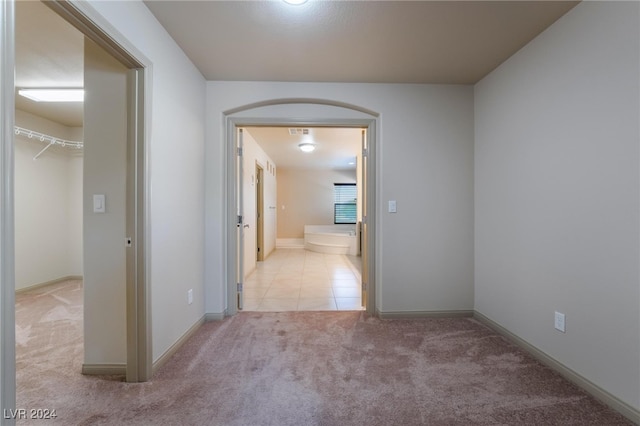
point(253, 154)
point(305, 197)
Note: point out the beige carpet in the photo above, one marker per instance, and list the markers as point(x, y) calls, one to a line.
point(301, 368)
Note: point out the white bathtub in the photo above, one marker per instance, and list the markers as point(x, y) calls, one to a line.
point(332, 239)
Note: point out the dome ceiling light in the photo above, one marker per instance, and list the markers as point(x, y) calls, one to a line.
point(306, 147)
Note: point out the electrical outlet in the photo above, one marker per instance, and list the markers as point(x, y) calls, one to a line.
point(559, 321)
point(190, 296)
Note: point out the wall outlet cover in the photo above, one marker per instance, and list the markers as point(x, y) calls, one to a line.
point(559, 322)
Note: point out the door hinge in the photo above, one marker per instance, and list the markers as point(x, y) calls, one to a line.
point(239, 287)
point(365, 152)
point(239, 152)
point(364, 220)
point(239, 219)
point(364, 286)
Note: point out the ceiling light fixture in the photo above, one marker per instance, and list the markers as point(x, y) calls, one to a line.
point(306, 147)
point(53, 95)
point(295, 2)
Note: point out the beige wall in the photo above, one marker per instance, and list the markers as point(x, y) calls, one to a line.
point(556, 173)
point(305, 197)
point(423, 140)
point(175, 172)
point(48, 205)
point(104, 173)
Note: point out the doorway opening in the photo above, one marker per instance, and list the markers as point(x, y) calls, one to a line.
point(137, 365)
point(48, 200)
point(282, 272)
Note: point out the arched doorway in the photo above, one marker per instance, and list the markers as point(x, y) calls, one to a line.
point(309, 113)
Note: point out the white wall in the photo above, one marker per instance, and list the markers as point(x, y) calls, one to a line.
point(253, 154)
point(175, 170)
point(425, 147)
point(306, 197)
point(48, 197)
point(74, 204)
point(557, 194)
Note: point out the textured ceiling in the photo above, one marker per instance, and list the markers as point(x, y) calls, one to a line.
point(354, 41)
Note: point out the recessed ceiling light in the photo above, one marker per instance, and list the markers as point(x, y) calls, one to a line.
point(53, 95)
point(295, 2)
point(306, 147)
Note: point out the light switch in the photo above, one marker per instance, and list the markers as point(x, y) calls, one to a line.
point(98, 203)
point(392, 206)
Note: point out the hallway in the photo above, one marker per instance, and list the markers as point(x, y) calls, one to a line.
point(301, 280)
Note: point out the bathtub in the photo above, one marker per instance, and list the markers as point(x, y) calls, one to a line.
point(332, 239)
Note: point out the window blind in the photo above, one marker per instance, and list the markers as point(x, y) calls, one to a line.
point(344, 207)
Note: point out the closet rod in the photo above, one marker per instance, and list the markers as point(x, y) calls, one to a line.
point(46, 138)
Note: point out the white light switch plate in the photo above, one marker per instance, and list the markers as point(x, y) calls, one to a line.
point(99, 203)
point(393, 207)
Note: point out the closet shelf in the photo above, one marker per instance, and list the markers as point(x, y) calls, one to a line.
point(51, 140)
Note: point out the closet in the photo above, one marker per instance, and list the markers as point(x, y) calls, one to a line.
point(48, 201)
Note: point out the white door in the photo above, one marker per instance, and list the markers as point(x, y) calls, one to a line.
point(240, 226)
point(364, 226)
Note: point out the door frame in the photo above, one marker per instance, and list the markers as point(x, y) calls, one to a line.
point(7, 228)
point(232, 124)
point(259, 213)
point(138, 303)
point(93, 25)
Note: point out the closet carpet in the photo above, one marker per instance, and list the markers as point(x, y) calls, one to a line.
point(297, 368)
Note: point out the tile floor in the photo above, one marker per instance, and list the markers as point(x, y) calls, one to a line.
point(301, 280)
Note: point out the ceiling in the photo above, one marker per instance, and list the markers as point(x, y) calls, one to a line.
point(49, 53)
point(453, 42)
point(335, 149)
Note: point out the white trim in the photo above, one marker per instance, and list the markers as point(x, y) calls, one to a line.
point(177, 345)
point(214, 316)
point(591, 388)
point(7, 250)
point(425, 314)
point(46, 283)
point(290, 243)
point(104, 369)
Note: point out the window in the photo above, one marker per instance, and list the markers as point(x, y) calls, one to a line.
point(344, 199)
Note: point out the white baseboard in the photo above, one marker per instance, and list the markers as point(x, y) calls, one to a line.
point(423, 314)
point(214, 316)
point(46, 283)
point(104, 369)
point(297, 243)
point(591, 388)
point(176, 346)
